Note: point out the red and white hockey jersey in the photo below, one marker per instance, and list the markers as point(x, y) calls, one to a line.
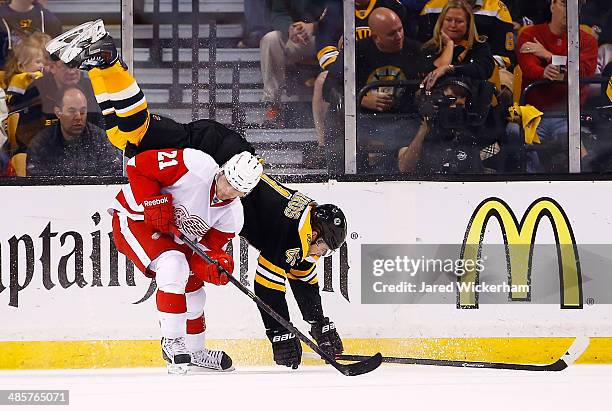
point(189, 175)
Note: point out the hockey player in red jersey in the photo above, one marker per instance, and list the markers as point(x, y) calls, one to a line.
point(289, 229)
point(185, 190)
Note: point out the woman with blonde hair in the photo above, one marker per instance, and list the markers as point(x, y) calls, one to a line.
point(456, 48)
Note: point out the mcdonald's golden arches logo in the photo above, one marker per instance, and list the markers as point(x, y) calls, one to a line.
point(519, 239)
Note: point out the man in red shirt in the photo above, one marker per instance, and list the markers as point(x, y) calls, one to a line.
point(537, 47)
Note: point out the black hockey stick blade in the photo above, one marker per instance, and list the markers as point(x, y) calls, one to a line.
point(578, 347)
point(364, 365)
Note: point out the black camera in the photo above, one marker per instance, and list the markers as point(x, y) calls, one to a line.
point(445, 106)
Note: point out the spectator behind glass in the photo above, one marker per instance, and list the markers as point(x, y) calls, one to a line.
point(329, 35)
point(605, 44)
point(256, 23)
point(20, 18)
point(593, 14)
point(386, 55)
point(72, 146)
point(436, 149)
point(536, 47)
point(528, 12)
point(291, 42)
point(26, 64)
point(42, 100)
point(456, 48)
point(492, 19)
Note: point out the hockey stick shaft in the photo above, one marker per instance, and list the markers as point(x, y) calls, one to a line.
point(558, 365)
point(573, 352)
point(364, 365)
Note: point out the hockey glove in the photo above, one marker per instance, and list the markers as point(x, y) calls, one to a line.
point(324, 332)
point(210, 272)
point(286, 348)
point(158, 213)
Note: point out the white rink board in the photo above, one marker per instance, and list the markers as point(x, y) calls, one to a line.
point(388, 212)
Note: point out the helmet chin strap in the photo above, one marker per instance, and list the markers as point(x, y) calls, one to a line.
point(216, 199)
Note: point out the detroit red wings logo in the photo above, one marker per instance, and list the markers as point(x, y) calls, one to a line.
point(190, 224)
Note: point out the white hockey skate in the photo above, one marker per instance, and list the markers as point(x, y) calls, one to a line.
point(176, 355)
point(210, 360)
point(91, 31)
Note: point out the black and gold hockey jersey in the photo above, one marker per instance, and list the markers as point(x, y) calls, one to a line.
point(277, 223)
point(331, 28)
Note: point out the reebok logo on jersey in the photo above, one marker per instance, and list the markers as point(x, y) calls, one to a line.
point(157, 201)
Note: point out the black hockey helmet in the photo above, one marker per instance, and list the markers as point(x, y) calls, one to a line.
point(330, 223)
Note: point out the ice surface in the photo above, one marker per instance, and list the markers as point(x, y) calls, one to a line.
point(321, 388)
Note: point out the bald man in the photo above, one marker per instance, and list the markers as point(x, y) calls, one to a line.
point(72, 146)
point(329, 33)
point(386, 55)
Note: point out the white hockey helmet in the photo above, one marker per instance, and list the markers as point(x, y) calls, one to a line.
point(243, 171)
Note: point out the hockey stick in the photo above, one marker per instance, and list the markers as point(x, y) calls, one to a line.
point(364, 364)
point(575, 350)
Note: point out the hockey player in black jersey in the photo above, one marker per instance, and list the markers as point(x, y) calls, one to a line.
point(292, 233)
point(289, 229)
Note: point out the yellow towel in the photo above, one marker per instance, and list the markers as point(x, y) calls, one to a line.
point(529, 117)
point(609, 89)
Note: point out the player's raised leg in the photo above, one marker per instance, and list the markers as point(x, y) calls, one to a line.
point(89, 47)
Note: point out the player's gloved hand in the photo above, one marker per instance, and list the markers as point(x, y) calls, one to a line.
point(210, 273)
point(158, 212)
point(286, 348)
point(324, 332)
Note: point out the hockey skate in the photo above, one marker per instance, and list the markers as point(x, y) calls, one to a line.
point(210, 360)
point(85, 47)
point(176, 355)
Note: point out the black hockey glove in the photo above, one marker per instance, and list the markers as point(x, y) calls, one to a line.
point(324, 332)
point(286, 348)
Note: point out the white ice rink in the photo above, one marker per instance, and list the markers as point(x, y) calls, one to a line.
point(321, 388)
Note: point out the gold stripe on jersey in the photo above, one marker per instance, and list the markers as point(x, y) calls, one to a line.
point(272, 183)
point(305, 232)
point(327, 55)
point(271, 267)
point(309, 276)
point(270, 276)
point(142, 105)
point(269, 284)
point(363, 14)
point(362, 33)
point(116, 78)
point(310, 280)
point(115, 87)
point(302, 273)
point(491, 8)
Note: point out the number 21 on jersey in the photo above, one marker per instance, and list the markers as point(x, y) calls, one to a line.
point(167, 159)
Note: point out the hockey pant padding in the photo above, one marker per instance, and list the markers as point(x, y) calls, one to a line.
point(172, 273)
point(196, 323)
